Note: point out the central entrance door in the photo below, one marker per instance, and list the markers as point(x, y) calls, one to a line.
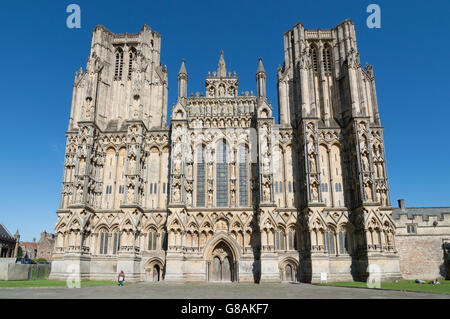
point(222, 263)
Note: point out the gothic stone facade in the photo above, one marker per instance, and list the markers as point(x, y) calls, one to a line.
point(224, 193)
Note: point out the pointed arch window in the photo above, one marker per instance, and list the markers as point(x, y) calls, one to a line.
point(330, 241)
point(343, 242)
point(132, 56)
point(243, 176)
point(119, 64)
point(326, 59)
point(116, 242)
point(164, 240)
point(313, 53)
point(222, 175)
point(104, 236)
point(201, 176)
point(292, 239)
point(152, 239)
point(281, 240)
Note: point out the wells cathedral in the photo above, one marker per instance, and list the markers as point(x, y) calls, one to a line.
point(225, 192)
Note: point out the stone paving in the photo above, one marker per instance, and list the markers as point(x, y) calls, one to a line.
point(210, 291)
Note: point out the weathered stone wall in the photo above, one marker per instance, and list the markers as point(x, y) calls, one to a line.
point(421, 252)
point(45, 248)
point(421, 257)
point(9, 270)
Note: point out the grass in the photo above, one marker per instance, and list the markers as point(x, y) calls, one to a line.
point(405, 285)
point(49, 283)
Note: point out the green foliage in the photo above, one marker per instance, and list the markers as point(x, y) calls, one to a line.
point(19, 252)
point(39, 260)
point(38, 272)
point(404, 285)
point(50, 283)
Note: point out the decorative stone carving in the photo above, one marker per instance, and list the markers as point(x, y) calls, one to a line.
point(314, 192)
point(368, 192)
point(312, 164)
point(177, 165)
point(130, 194)
point(176, 193)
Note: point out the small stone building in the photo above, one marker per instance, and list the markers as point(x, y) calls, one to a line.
point(46, 245)
point(423, 241)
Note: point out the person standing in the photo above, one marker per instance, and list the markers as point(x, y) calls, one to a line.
point(121, 278)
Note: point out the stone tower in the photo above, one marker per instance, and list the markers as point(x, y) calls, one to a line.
point(115, 154)
point(329, 101)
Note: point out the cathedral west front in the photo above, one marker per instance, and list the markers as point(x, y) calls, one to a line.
point(225, 192)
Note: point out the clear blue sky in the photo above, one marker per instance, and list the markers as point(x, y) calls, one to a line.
point(410, 55)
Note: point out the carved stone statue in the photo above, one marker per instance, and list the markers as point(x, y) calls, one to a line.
point(368, 192)
point(221, 91)
point(177, 165)
point(189, 198)
point(365, 163)
point(130, 191)
point(314, 192)
point(81, 169)
point(266, 164)
point(383, 198)
point(389, 239)
point(310, 144)
point(210, 197)
point(79, 193)
point(132, 168)
point(266, 192)
point(312, 164)
point(176, 193)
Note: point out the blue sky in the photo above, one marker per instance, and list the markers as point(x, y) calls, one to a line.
point(410, 55)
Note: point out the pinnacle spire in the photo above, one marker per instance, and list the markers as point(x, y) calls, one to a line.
point(182, 68)
point(221, 68)
point(260, 67)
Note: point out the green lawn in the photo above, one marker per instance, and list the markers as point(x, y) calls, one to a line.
point(50, 283)
point(407, 285)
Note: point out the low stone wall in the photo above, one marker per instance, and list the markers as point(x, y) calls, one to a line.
point(13, 271)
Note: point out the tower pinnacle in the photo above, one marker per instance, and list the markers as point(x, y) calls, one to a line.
point(182, 68)
point(221, 68)
point(260, 67)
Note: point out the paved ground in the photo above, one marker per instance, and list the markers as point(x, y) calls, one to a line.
point(207, 291)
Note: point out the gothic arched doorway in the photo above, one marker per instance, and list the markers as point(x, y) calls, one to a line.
point(289, 273)
point(154, 270)
point(156, 273)
point(289, 270)
point(222, 265)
